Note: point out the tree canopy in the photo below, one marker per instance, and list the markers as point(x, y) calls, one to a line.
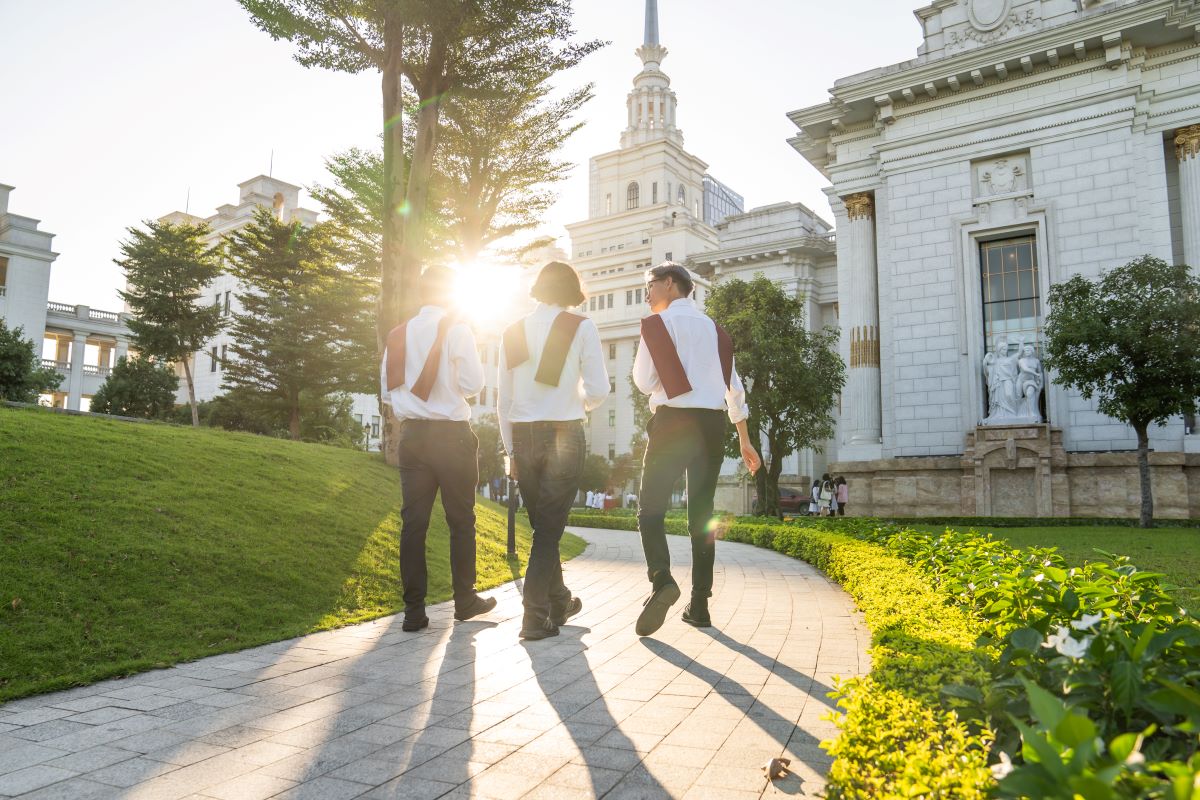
point(792, 375)
point(22, 376)
point(137, 387)
point(1131, 340)
point(306, 325)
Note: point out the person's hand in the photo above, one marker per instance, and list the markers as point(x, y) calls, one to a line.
point(750, 457)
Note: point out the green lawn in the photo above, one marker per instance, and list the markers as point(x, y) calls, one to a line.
point(125, 547)
point(1175, 552)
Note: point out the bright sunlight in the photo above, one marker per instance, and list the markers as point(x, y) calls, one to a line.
point(490, 294)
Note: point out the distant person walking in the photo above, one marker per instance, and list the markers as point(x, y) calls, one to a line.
point(430, 367)
point(685, 364)
point(814, 503)
point(826, 496)
point(843, 495)
point(551, 374)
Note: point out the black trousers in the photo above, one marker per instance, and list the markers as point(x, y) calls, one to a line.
point(437, 455)
point(681, 441)
point(549, 457)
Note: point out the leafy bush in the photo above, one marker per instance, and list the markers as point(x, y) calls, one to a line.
point(137, 387)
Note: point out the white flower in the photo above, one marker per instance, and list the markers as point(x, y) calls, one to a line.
point(1039, 577)
point(1000, 771)
point(1056, 638)
point(1087, 622)
point(1073, 648)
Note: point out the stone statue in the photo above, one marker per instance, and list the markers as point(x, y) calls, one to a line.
point(1014, 383)
point(1030, 382)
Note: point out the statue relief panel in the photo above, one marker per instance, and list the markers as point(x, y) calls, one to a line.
point(993, 20)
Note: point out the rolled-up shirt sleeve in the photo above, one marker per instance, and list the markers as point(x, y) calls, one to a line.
point(464, 356)
point(592, 367)
point(735, 399)
point(645, 376)
point(504, 401)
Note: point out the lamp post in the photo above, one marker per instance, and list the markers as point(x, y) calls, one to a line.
point(512, 505)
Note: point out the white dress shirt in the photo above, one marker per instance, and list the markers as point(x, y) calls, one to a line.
point(460, 375)
point(582, 386)
point(695, 339)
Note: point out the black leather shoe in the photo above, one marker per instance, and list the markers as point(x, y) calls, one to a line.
point(573, 608)
point(415, 623)
point(480, 605)
point(696, 614)
point(656, 606)
point(543, 630)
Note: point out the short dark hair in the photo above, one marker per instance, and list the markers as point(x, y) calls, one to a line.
point(676, 272)
point(558, 284)
point(436, 285)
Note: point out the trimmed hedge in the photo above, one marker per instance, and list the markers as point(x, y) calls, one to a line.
point(676, 526)
point(998, 671)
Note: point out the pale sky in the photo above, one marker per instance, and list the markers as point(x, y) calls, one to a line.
point(112, 112)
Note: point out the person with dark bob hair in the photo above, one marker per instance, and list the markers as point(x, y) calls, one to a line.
point(552, 373)
point(558, 285)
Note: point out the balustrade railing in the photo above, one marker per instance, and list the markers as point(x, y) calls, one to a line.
point(96, 371)
point(111, 316)
point(60, 308)
point(61, 366)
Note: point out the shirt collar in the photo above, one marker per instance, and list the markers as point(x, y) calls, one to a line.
point(547, 308)
point(682, 304)
point(427, 310)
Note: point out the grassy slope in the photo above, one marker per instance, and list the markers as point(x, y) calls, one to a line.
point(1175, 552)
point(125, 546)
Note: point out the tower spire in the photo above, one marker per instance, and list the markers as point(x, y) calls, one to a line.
point(651, 22)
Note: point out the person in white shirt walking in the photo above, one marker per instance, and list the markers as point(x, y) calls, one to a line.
point(430, 367)
point(551, 374)
point(685, 364)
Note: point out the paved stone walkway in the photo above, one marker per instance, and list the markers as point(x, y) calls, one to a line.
point(466, 710)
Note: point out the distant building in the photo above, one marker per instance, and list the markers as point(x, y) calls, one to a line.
point(81, 342)
point(720, 201)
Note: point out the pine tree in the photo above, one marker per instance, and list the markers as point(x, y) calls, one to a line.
point(307, 323)
point(167, 266)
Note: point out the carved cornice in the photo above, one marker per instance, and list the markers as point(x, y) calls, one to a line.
point(859, 206)
point(1187, 142)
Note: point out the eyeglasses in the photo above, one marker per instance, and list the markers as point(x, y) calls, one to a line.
point(651, 282)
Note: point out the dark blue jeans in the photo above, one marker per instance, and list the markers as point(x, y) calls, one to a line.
point(549, 458)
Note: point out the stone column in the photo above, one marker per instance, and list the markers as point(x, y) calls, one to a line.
point(1187, 150)
point(75, 377)
point(862, 406)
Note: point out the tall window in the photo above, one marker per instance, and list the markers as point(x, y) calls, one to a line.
point(1011, 301)
point(654, 193)
point(629, 297)
point(682, 195)
point(213, 368)
point(612, 385)
point(225, 312)
point(608, 204)
point(612, 452)
point(612, 418)
point(610, 300)
point(612, 350)
point(3, 273)
point(632, 196)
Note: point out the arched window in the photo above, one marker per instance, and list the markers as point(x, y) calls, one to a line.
point(632, 196)
point(682, 196)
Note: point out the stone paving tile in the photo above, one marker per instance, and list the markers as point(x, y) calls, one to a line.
point(467, 710)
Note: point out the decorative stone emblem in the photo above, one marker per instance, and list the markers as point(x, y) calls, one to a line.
point(987, 15)
point(1003, 177)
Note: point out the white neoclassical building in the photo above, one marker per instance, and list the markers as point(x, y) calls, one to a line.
point(207, 365)
point(81, 342)
point(651, 201)
point(1028, 141)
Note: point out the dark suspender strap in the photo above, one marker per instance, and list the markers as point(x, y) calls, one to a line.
point(433, 362)
point(665, 357)
point(397, 340)
point(558, 344)
point(725, 352)
point(516, 348)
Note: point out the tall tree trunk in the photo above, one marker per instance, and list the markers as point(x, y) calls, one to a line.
point(392, 267)
point(1143, 458)
point(191, 384)
point(760, 490)
point(294, 418)
point(774, 469)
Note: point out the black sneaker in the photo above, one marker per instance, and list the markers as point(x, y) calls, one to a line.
point(480, 605)
point(412, 624)
point(656, 606)
point(543, 630)
point(696, 614)
point(573, 608)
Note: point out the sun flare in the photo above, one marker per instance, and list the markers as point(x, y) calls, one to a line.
point(489, 294)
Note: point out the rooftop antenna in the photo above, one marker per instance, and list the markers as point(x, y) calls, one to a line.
point(271, 168)
point(187, 204)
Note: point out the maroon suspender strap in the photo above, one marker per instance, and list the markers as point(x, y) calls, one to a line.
point(397, 341)
point(558, 344)
point(665, 357)
point(725, 353)
point(433, 362)
point(516, 348)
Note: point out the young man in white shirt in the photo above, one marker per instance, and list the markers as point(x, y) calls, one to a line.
point(552, 373)
point(430, 367)
point(685, 364)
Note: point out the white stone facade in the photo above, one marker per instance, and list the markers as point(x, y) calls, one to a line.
point(82, 343)
point(1065, 130)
